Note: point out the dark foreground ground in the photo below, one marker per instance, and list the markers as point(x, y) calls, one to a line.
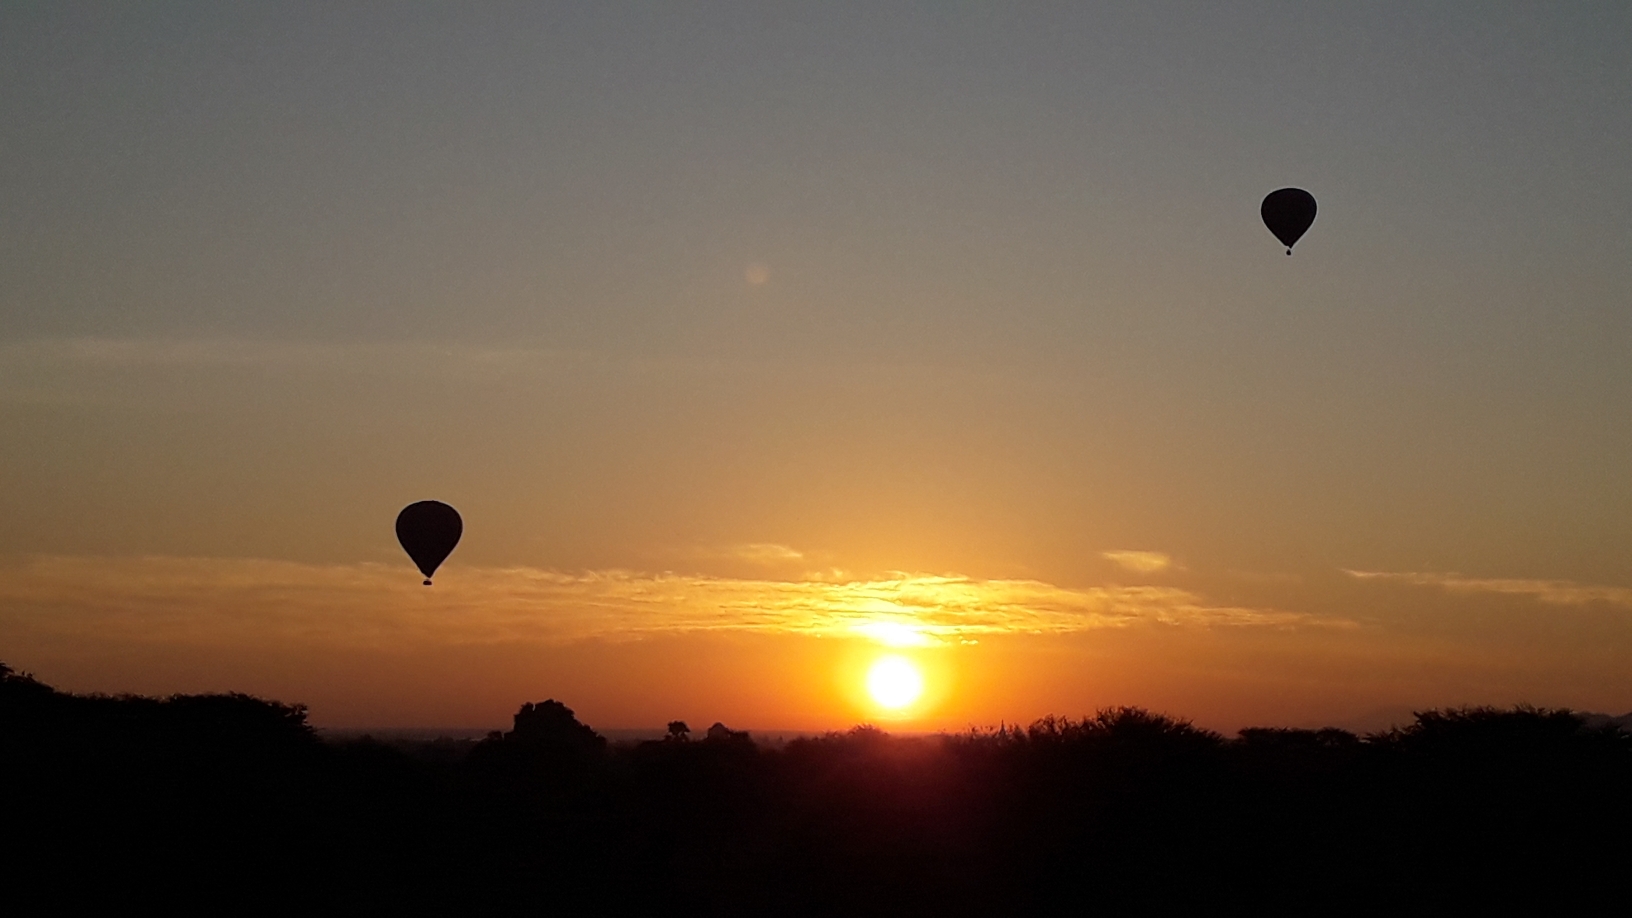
point(231, 804)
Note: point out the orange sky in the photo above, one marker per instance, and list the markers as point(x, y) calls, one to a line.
point(752, 345)
point(367, 646)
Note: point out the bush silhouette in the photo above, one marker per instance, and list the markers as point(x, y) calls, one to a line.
point(235, 801)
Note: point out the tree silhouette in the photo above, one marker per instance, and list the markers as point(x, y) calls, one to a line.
point(110, 802)
point(552, 724)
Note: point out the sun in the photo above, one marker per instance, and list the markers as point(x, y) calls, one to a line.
point(894, 682)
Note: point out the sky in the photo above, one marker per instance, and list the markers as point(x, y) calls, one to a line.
point(755, 341)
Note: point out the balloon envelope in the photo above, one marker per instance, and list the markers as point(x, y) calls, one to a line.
point(428, 532)
point(1288, 212)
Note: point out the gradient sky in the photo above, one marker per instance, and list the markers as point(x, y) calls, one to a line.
point(754, 340)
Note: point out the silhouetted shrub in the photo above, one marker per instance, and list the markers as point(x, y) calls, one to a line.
point(233, 803)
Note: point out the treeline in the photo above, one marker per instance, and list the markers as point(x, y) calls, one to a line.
point(232, 803)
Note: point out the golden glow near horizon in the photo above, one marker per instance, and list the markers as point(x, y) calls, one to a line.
point(894, 682)
point(371, 604)
point(357, 640)
point(985, 649)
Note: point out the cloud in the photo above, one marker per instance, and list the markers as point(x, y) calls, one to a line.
point(766, 552)
point(762, 553)
point(124, 353)
point(1140, 562)
point(214, 601)
point(1264, 576)
point(218, 353)
point(1557, 592)
point(102, 370)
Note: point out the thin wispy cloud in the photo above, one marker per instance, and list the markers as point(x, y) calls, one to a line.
point(194, 600)
point(1557, 592)
point(767, 554)
point(500, 358)
point(1140, 562)
point(203, 353)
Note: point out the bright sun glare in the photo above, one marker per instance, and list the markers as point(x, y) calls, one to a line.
point(894, 682)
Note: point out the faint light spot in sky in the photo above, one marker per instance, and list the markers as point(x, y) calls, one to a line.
point(756, 274)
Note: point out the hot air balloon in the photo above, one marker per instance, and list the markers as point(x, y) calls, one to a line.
point(1288, 212)
point(428, 531)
